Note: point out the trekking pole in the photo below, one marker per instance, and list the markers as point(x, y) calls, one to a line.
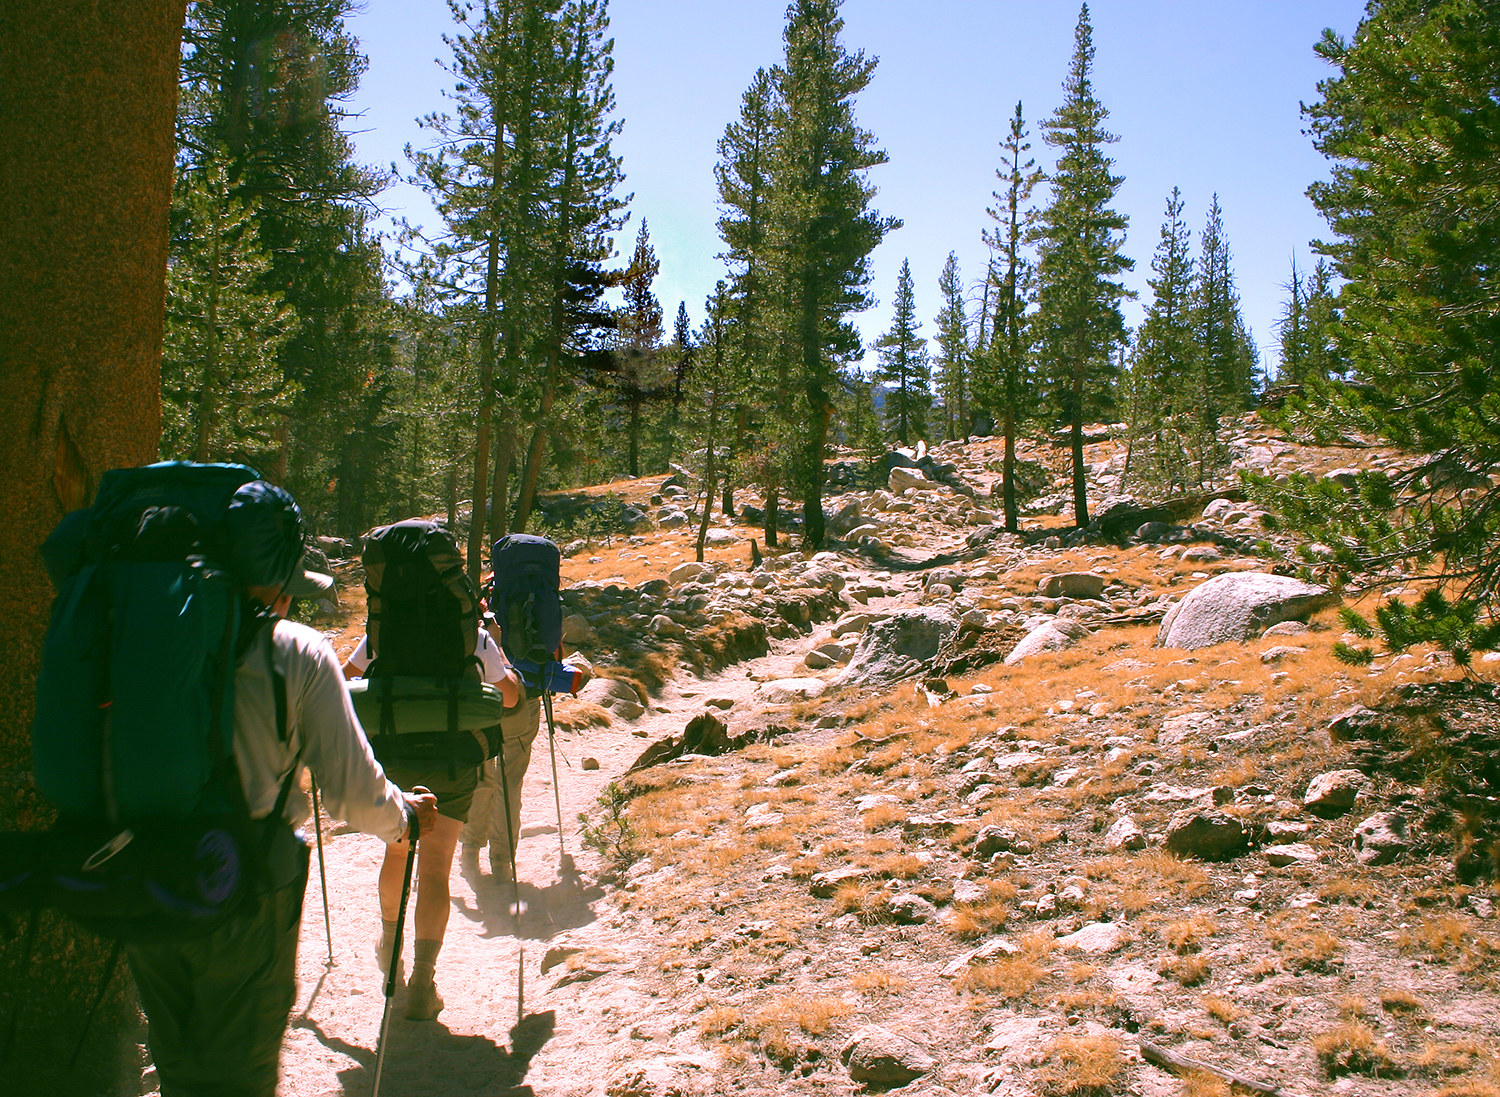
point(563, 863)
point(515, 887)
point(390, 975)
point(322, 872)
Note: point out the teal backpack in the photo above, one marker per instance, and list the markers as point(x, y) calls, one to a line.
point(133, 736)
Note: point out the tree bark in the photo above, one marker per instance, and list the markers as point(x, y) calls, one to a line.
point(87, 106)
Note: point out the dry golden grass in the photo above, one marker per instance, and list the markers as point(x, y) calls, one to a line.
point(1185, 935)
point(1187, 970)
point(1200, 1083)
point(1085, 1001)
point(1444, 938)
point(1223, 1010)
point(581, 715)
point(969, 921)
point(1082, 1066)
point(1009, 978)
point(1350, 890)
point(1303, 945)
point(1352, 1048)
point(1352, 1008)
point(878, 983)
point(1451, 1057)
point(882, 816)
point(1468, 1089)
point(863, 898)
point(719, 1019)
point(774, 1026)
point(1400, 1000)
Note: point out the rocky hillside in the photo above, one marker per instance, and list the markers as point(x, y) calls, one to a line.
point(948, 810)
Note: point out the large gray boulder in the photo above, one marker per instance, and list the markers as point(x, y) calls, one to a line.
point(1054, 634)
point(898, 647)
point(1238, 607)
point(878, 1056)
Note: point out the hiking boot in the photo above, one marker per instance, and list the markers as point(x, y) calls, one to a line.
point(500, 863)
point(423, 1002)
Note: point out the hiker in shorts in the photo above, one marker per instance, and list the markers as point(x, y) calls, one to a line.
point(217, 1005)
point(495, 817)
point(455, 792)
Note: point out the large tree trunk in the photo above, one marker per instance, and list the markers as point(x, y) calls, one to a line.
point(87, 103)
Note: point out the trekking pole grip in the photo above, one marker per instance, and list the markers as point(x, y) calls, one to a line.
point(413, 823)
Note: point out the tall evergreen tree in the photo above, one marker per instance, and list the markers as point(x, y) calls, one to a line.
point(1225, 359)
point(639, 379)
point(903, 366)
point(743, 176)
point(954, 351)
point(1411, 126)
point(820, 229)
point(1158, 396)
point(1079, 257)
point(224, 395)
point(263, 87)
point(1004, 379)
point(524, 179)
point(1307, 330)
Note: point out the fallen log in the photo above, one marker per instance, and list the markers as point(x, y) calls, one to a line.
point(1155, 1053)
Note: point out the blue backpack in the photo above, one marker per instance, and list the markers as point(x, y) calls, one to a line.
point(134, 728)
point(524, 598)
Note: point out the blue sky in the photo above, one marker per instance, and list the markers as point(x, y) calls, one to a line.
point(1203, 94)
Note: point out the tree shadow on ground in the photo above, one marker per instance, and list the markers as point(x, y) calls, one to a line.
point(426, 1060)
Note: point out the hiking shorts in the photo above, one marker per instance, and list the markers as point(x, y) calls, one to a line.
point(454, 793)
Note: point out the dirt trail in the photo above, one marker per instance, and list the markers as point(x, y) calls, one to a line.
point(561, 1044)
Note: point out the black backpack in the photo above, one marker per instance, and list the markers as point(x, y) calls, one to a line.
point(422, 701)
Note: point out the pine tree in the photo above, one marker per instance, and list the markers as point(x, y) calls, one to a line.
point(1307, 330)
point(263, 87)
point(1004, 381)
point(903, 366)
point(639, 379)
point(743, 176)
point(1079, 241)
point(820, 230)
point(954, 352)
point(1411, 126)
point(1225, 358)
point(224, 396)
point(1158, 399)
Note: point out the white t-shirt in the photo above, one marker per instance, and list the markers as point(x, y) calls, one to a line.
point(491, 659)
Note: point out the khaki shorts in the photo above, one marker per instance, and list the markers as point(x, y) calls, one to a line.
point(454, 794)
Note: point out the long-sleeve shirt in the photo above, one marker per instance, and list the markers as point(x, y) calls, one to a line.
point(321, 725)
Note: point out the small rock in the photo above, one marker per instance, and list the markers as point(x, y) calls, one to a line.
point(877, 1056)
point(590, 763)
point(1125, 833)
point(1297, 853)
point(1098, 937)
point(909, 909)
point(1205, 832)
point(1334, 792)
point(1381, 838)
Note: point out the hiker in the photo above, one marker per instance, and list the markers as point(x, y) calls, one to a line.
point(453, 785)
point(525, 618)
point(495, 817)
point(217, 1005)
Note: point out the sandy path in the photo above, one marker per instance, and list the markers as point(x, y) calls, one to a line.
point(563, 1044)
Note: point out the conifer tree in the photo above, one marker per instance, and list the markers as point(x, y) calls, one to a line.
point(639, 379)
point(1079, 257)
point(1158, 396)
point(1307, 329)
point(1411, 126)
point(743, 177)
point(1225, 358)
point(224, 395)
point(1004, 381)
point(264, 84)
point(954, 352)
point(820, 230)
point(903, 366)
